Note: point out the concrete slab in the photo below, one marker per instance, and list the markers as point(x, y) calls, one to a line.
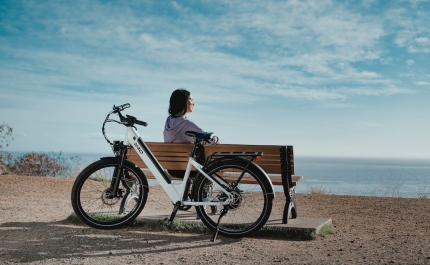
point(311, 223)
point(308, 224)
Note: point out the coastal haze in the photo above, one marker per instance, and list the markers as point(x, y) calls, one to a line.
point(333, 79)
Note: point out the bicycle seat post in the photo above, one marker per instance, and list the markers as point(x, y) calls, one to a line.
point(193, 150)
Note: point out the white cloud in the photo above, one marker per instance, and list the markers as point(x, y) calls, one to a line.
point(336, 105)
point(410, 62)
point(308, 94)
point(421, 83)
point(422, 40)
point(387, 60)
point(369, 124)
point(415, 3)
point(367, 3)
point(384, 91)
point(367, 74)
point(410, 74)
point(415, 49)
point(409, 25)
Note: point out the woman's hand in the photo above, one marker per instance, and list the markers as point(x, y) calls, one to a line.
point(213, 141)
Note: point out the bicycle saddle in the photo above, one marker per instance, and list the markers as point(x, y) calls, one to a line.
point(204, 136)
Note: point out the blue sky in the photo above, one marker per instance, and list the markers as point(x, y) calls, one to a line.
point(331, 78)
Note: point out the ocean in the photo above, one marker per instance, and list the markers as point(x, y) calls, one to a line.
point(407, 178)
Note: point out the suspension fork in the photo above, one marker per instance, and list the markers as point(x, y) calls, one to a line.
point(117, 174)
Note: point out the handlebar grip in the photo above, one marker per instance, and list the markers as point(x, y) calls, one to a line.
point(122, 107)
point(141, 123)
point(125, 106)
point(133, 120)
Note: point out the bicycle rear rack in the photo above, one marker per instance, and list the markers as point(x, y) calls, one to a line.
point(250, 156)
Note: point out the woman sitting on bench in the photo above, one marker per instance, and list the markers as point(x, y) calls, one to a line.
point(181, 103)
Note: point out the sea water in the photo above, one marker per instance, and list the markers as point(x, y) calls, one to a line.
point(408, 178)
point(365, 176)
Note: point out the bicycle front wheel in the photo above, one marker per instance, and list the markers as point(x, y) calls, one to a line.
point(253, 198)
point(95, 203)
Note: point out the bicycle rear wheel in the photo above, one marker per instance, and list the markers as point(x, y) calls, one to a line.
point(253, 198)
point(94, 202)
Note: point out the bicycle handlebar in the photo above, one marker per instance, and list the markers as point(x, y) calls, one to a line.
point(128, 121)
point(132, 120)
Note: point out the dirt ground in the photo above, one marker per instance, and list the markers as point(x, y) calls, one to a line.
point(369, 230)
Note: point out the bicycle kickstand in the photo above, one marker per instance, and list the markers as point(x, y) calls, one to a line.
point(168, 222)
point(221, 215)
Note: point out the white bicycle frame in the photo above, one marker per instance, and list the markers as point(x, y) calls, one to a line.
point(132, 138)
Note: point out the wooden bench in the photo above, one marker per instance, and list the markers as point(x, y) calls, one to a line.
point(277, 162)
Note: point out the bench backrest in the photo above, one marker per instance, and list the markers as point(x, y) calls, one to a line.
point(174, 156)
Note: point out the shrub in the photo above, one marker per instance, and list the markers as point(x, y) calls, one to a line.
point(43, 164)
point(317, 190)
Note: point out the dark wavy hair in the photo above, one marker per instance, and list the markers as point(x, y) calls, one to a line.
point(178, 102)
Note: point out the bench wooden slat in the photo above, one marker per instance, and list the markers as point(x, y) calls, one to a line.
point(181, 164)
point(238, 148)
point(173, 147)
point(165, 165)
point(164, 158)
point(173, 159)
point(275, 178)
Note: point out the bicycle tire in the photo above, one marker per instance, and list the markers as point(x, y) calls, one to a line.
point(93, 203)
point(253, 202)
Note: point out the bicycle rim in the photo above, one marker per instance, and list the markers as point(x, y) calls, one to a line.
point(252, 205)
point(96, 205)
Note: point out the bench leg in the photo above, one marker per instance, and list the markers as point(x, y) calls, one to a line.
point(290, 206)
point(287, 170)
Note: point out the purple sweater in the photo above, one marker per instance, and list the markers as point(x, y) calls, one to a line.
point(175, 128)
